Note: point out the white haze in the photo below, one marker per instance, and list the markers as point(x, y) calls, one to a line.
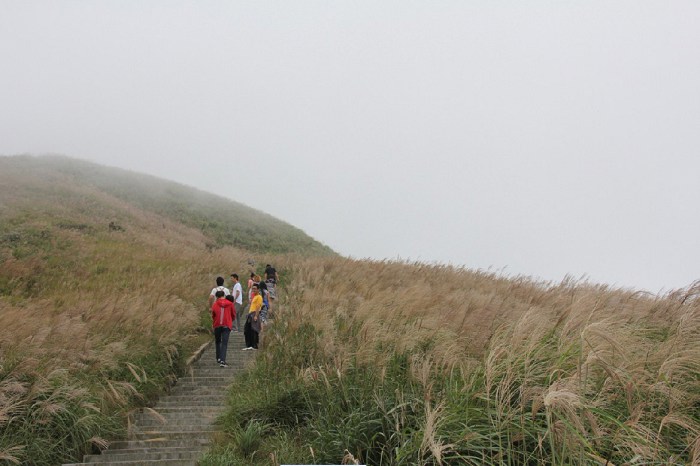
point(538, 138)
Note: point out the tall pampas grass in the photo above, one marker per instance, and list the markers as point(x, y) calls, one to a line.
point(468, 367)
point(100, 331)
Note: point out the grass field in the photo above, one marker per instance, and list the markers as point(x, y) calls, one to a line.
point(104, 277)
point(407, 364)
point(103, 297)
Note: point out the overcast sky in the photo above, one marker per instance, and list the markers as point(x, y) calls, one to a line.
point(537, 138)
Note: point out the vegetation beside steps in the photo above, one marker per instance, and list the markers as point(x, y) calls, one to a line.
point(406, 364)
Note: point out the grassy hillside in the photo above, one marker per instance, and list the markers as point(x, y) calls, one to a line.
point(381, 363)
point(408, 364)
point(104, 276)
point(44, 180)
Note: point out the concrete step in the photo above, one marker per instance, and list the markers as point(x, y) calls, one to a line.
point(216, 368)
point(198, 392)
point(140, 463)
point(181, 425)
point(183, 399)
point(124, 451)
point(141, 456)
point(225, 375)
point(231, 360)
point(168, 428)
point(200, 421)
point(192, 443)
point(223, 381)
point(153, 424)
point(176, 409)
point(181, 414)
point(189, 387)
point(158, 434)
point(218, 371)
point(173, 419)
point(211, 404)
point(220, 384)
point(222, 374)
point(173, 413)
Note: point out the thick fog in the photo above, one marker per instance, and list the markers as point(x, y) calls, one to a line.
point(538, 138)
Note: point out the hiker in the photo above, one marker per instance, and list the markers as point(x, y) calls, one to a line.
point(237, 292)
point(222, 315)
point(271, 278)
point(254, 281)
point(253, 326)
point(251, 280)
point(219, 287)
point(270, 274)
point(265, 294)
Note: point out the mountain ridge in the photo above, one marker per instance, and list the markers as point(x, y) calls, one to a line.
point(224, 221)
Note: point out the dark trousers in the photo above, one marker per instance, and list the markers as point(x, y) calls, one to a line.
point(251, 336)
point(221, 335)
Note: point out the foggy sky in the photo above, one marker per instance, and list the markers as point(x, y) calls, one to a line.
point(538, 138)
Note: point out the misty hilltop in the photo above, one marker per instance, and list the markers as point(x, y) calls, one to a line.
point(42, 193)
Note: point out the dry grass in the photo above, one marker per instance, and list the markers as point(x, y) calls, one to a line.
point(603, 372)
point(496, 369)
point(92, 319)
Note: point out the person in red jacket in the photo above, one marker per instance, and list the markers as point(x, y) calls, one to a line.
point(222, 315)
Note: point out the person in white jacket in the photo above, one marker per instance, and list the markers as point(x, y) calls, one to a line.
point(237, 292)
point(219, 287)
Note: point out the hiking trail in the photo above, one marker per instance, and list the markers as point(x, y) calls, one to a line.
point(182, 426)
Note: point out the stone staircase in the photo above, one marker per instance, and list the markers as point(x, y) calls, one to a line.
point(180, 427)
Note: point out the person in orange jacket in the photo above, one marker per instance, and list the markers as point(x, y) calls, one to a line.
point(222, 315)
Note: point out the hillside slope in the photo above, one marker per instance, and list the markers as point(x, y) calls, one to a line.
point(104, 277)
point(40, 182)
point(393, 364)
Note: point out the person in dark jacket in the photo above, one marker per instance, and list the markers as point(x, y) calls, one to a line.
point(251, 331)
